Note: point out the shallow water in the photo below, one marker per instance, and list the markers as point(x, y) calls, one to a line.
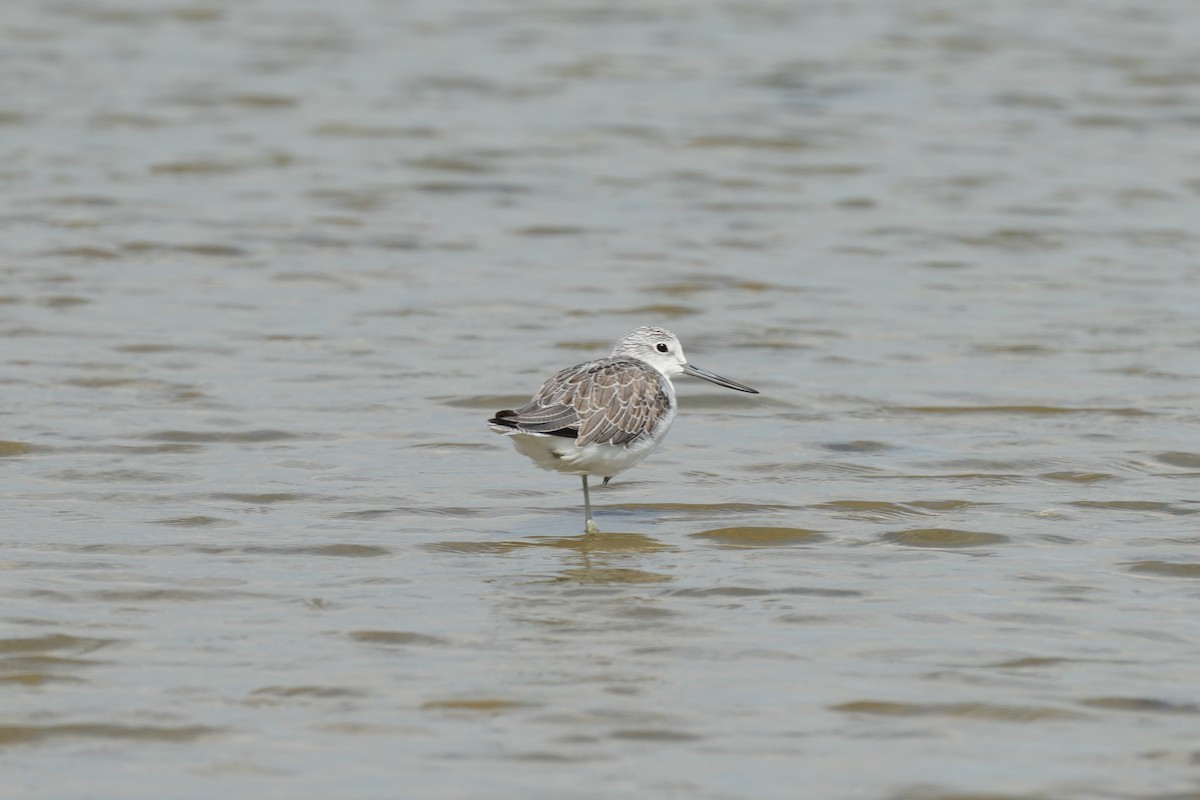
point(269, 266)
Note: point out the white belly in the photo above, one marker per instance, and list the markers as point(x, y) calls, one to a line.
point(560, 454)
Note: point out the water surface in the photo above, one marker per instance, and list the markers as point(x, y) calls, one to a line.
point(269, 266)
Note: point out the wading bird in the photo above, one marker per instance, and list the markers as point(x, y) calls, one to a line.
point(602, 417)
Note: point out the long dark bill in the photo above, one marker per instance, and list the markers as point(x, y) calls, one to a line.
point(712, 377)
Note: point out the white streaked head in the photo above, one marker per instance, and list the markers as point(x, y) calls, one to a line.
point(657, 347)
point(661, 349)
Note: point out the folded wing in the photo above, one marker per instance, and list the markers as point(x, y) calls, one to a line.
point(610, 401)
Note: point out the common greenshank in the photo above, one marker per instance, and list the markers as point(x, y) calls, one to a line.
point(602, 417)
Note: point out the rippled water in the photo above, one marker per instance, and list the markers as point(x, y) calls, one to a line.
point(268, 267)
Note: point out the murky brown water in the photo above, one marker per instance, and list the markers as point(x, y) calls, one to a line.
point(267, 266)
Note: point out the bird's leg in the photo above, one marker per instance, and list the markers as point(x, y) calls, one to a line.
point(590, 527)
point(606, 480)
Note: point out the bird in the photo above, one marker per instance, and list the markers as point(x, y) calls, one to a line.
point(601, 417)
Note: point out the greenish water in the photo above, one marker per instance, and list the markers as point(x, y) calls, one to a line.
point(269, 266)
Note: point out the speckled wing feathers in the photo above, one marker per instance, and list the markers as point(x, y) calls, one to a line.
point(608, 401)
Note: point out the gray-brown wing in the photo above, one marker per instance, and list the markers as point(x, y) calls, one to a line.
point(608, 401)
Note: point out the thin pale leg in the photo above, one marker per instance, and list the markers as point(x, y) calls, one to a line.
point(590, 527)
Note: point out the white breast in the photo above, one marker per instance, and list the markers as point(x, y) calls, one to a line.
point(560, 454)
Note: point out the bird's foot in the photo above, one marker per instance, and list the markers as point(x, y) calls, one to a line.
point(590, 527)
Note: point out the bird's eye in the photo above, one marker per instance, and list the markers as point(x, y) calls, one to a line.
point(662, 348)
